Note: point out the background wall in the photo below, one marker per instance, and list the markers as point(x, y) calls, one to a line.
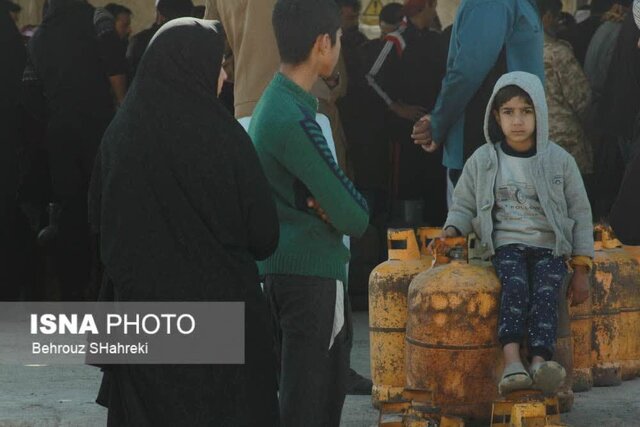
point(144, 10)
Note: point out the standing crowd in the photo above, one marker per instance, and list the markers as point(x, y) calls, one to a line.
point(232, 153)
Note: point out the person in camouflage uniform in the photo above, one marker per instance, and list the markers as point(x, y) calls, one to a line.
point(567, 90)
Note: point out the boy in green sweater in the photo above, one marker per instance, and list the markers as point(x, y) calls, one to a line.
point(305, 278)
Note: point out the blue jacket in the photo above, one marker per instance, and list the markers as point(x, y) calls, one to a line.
point(480, 31)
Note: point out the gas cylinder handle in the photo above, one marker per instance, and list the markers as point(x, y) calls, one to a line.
point(425, 236)
point(402, 244)
point(604, 237)
point(444, 250)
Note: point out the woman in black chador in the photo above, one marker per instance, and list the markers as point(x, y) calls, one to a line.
point(183, 210)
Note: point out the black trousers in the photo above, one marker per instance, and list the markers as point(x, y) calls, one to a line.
point(312, 377)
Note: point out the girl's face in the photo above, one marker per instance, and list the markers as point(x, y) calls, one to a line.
point(517, 119)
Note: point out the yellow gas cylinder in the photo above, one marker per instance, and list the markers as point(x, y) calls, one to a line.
point(564, 354)
point(581, 332)
point(388, 285)
point(606, 303)
point(633, 316)
point(452, 345)
point(625, 289)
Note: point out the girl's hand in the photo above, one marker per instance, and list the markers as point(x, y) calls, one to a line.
point(578, 290)
point(447, 232)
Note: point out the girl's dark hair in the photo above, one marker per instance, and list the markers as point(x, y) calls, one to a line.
point(507, 93)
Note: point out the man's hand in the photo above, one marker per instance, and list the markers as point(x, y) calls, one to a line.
point(407, 112)
point(313, 204)
point(422, 134)
point(578, 290)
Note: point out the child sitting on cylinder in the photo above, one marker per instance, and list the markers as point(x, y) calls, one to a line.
point(524, 198)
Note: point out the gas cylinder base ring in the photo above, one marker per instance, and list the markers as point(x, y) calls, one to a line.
point(582, 380)
point(607, 375)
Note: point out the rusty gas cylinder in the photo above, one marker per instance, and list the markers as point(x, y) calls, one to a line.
point(606, 303)
point(581, 333)
point(625, 288)
point(633, 319)
point(452, 345)
point(564, 353)
point(388, 286)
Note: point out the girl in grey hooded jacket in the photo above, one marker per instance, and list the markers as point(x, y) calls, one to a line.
point(524, 197)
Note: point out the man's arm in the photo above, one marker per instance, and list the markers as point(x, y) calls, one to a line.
point(481, 35)
point(573, 82)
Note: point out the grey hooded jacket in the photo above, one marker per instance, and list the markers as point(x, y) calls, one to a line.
point(557, 182)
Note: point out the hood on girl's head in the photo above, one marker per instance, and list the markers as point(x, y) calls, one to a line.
point(531, 84)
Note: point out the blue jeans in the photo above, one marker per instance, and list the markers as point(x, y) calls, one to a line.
point(531, 281)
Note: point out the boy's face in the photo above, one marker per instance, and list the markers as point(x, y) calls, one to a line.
point(329, 54)
point(349, 17)
point(123, 25)
point(551, 23)
point(517, 119)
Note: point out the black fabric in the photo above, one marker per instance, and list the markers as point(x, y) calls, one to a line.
point(66, 56)
point(313, 377)
point(475, 111)
point(608, 173)
point(415, 79)
point(580, 36)
point(513, 153)
point(364, 120)
point(67, 64)
point(626, 210)
point(184, 209)
point(13, 62)
point(621, 99)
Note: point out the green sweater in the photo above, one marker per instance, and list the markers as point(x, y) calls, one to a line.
point(298, 163)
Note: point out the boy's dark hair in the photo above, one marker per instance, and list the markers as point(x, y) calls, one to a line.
point(298, 23)
point(553, 6)
point(116, 9)
point(354, 4)
point(391, 13)
point(507, 93)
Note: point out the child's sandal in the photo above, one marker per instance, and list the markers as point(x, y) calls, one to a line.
point(515, 377)
point(548, 376)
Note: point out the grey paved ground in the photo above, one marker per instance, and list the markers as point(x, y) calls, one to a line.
point(52, 396)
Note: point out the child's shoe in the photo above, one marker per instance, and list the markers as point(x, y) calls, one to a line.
point(547, 376)
point(515, 377)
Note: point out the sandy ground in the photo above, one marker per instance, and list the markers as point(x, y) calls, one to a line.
point(52, 396)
